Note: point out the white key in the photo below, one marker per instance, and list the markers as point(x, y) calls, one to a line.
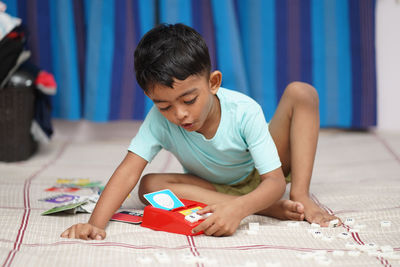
point(162, 257)
point(386, 223)
point(344, 235)
point(349, 221)
point(251, 232)
point(359, 226)
point(293, 224)
point(374, 253)
point(354, 253)
point(188, 258)
point(391, 255)
point(193, 217)
point(251, 264)
point(304, 255)
point(323, 260)
point(333, 223)
point(315, 225)
point(144, 259)
point(317, 234)
point(205, 215)
point(350, 245)
point(319, 253)
point(386, 249)
point(210, 261)
point(254, 226)
point(369, 246)
point(273, 264)
point(338, 253)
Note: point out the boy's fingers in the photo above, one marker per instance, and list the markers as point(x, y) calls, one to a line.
point(212, 230)
point(205, 210)
point(97, 234)
point(65, 234)
point(202, 226)
point(84, 232)
point(71, 233)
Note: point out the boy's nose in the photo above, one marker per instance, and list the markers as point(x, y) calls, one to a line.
point(181, 113)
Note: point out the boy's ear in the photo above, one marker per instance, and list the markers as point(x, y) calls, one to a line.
point(215, 81)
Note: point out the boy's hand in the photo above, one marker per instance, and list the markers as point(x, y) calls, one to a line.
point(84, 231)
point(223, 222)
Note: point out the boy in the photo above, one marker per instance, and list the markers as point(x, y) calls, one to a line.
point(231, 156)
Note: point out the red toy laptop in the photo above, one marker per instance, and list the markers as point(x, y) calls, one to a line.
point(170, 214)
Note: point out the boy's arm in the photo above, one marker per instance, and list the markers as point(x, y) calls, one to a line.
point(270, 190)
point(228, 215)
point(117, 189)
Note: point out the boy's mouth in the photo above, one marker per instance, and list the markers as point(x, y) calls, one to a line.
point(187, 126)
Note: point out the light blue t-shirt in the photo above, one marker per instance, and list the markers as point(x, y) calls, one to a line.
point(242, 142)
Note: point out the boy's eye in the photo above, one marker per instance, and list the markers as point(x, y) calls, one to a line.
point(191, 101)
point(164, 109)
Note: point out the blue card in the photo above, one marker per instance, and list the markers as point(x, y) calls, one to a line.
point(163, 199)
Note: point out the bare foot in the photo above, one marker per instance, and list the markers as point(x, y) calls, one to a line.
point(315, 214)
point(285, 209)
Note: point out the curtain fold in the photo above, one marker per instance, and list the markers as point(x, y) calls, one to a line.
point(259, 45)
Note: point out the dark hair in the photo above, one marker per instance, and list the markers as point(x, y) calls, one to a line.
point(170, 51)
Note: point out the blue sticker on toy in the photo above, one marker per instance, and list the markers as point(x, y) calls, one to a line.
point(163, 199)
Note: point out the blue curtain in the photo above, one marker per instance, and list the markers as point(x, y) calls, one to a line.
point(259, 45)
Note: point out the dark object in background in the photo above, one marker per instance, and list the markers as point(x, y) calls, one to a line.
point(11, 47)
point(17, 105)
point(25, 102)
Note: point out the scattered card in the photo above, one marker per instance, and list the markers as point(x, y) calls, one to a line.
point(62, 189)
point(69, 208)
point(78, 204)
point(163, 199)
point(128, 217)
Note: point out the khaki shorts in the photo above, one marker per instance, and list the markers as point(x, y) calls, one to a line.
point(245, 186)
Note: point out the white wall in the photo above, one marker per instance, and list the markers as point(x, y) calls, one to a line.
point(388, 64)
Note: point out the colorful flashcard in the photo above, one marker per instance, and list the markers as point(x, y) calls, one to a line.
point(63, 198)
point(163, 199)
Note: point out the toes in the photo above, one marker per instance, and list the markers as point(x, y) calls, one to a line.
point(293, 206)
point(294, 216)
point(299, 207)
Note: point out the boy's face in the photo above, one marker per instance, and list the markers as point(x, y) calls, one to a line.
point(191, 103)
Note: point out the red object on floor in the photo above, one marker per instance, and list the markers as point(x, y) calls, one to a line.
point(128, 217)
point(172, 221)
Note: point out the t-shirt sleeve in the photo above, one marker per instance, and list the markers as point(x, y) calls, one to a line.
point(259, 141)
point(147, 142)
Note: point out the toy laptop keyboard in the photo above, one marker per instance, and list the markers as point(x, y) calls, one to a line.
point(179, 220)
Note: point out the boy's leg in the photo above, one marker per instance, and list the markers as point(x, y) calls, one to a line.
point(294, 128)
point(194, 188)
point(183, 185)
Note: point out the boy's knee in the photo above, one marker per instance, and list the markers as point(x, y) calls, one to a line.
point(303, 93)
point(147, 185)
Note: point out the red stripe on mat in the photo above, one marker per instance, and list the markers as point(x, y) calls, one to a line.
point(27, 209)
point(193, 249)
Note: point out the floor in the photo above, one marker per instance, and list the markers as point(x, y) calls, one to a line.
point(356, 176)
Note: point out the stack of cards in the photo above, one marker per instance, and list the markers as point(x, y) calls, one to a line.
point(71, 203)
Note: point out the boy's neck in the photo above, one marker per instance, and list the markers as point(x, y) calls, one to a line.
point(212, 122)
